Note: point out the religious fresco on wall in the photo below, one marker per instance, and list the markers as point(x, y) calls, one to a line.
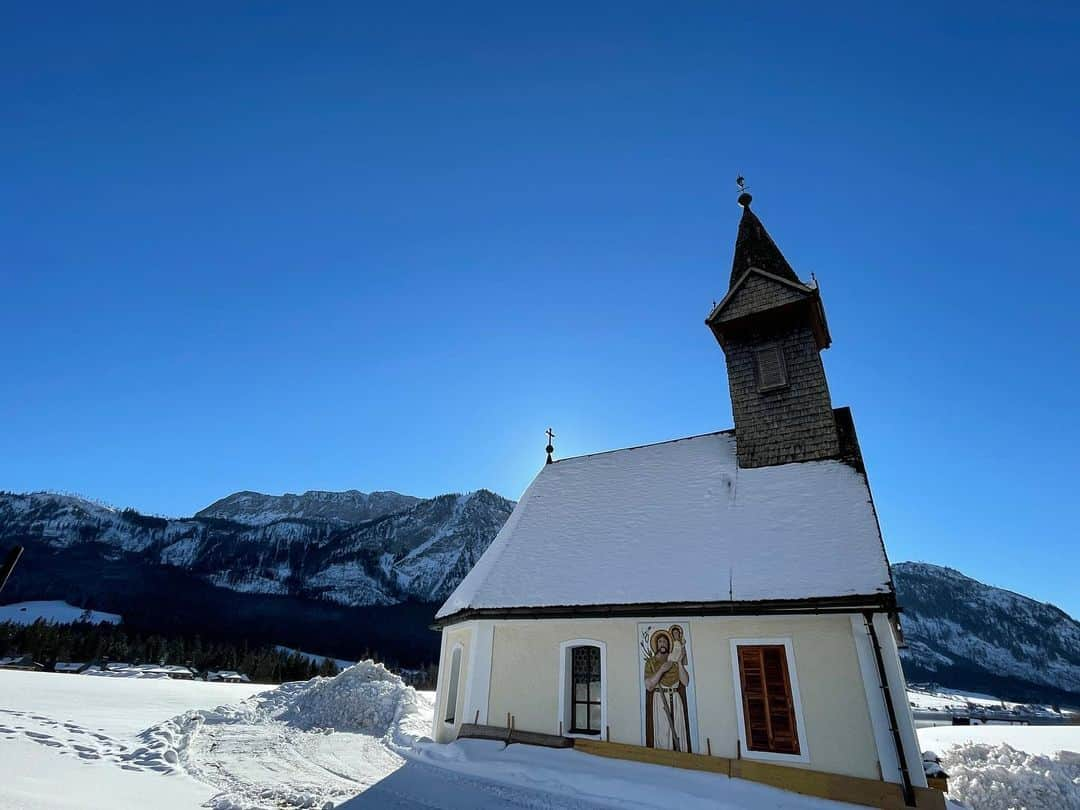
point(668, 709)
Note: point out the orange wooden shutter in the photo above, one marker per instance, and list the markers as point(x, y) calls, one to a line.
point(768, 709)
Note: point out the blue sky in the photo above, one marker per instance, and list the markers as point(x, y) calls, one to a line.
point(287, 247)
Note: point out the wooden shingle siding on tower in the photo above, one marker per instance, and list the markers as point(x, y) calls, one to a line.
point(757, 294)
point(792, 423)
point(768, 307)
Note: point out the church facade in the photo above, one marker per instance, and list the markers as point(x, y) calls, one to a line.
point(725, 595)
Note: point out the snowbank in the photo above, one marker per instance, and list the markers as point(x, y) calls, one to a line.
point(999, 777)
point(365, 698)
point(258, 754)
point(1002, 767)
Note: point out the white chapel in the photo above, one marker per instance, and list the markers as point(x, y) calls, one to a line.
point(716, 598)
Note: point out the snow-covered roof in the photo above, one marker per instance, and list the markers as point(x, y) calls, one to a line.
point(680, 522)
point(227, 675)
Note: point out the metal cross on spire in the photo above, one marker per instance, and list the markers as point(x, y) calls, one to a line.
point(550, 446)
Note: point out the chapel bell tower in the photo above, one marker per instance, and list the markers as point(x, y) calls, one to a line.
point(772, 329)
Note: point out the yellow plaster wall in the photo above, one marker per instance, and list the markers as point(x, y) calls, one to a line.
point(836, 733)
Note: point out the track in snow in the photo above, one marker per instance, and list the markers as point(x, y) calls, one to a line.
point(154, 750)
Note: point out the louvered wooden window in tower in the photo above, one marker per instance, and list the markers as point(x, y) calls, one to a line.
point(768, 710)
point(585, 710)
point(770, 368)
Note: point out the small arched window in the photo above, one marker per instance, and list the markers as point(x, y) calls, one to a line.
point(452, 685)
point(583, 694)
point(586, 694)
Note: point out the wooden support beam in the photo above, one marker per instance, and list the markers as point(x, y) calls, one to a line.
point(473, 731)
point(838, 787)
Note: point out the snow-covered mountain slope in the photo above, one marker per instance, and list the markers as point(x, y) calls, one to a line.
point(301, 546)
point(351, 506)
point(54, 611)
point(963, 633)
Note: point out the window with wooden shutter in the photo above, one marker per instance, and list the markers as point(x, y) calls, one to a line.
point(768, 709)
point(772, 372)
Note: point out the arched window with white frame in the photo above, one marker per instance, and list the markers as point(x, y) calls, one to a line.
point(583, 688)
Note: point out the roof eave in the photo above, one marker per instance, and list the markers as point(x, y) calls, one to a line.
point(856, 603)
point(742, 279)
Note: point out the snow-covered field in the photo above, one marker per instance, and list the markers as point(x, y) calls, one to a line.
point(353, 741)
point(939, 705)
point(68, 741)
point(359, 740)
point(59, 612)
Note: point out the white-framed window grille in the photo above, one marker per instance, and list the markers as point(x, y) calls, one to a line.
point(583, 688)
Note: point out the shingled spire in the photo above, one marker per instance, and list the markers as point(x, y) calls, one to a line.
point(755, 248)
point(772, 329)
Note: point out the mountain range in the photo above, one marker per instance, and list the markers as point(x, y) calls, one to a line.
point(340, 572)
point(347, 572)
point(965, 634)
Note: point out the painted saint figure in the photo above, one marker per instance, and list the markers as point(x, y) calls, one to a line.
point(667, 718)
point(678, 648)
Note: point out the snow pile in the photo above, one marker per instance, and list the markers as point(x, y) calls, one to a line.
point(999, 777)
point(254, 753)
point(365, 698)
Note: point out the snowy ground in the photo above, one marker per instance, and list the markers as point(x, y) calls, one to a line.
point(354, 741)
point(59, 612)
point(358, 741)
point(69, 741)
